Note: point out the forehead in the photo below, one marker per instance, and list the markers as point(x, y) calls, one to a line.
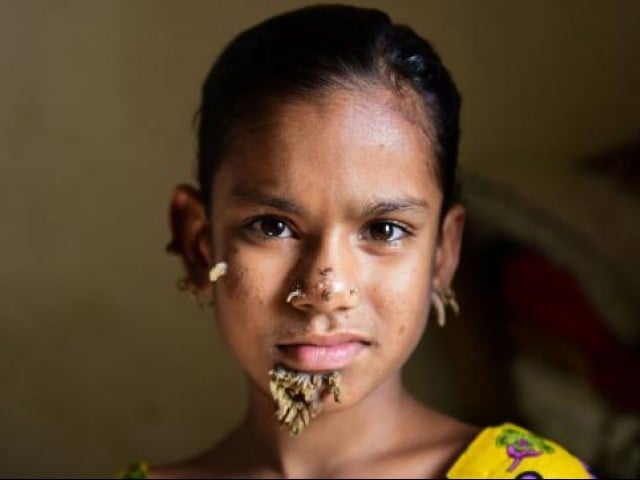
point(349, 143)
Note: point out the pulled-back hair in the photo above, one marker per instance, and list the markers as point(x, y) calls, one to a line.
point(307, 52)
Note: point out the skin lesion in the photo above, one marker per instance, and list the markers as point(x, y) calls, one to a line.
point(298, 395)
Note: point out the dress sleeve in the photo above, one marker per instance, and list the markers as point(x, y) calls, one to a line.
point(510, 451)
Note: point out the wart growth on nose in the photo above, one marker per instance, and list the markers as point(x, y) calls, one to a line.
point(326, 292)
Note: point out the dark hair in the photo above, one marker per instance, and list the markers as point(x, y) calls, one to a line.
point(306, 52)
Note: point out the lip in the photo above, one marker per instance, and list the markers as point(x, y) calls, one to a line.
point(323, 352)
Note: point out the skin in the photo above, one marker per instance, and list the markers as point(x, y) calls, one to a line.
point(345, 184)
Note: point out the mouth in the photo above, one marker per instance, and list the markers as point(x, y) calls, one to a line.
point(323, 353)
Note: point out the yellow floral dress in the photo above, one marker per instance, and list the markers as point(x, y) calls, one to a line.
point(505, 451)
point(509, 451)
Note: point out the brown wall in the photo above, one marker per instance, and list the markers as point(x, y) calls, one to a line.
point(102, 360)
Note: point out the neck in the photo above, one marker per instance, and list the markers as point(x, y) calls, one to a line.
point(332, 437)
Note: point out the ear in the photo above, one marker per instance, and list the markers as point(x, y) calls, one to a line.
point(190, 235)
point(448, 249)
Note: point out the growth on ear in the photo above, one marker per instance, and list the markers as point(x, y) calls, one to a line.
point(190, 233)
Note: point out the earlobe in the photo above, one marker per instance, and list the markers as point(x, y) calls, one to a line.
point(448, 251)
point(190, 233)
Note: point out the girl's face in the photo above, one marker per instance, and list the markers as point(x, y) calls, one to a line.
point(339, 197)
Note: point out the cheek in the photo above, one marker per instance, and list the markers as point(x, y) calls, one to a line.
point(250, 278)
point(245, 287)
point(249, 297)
point(401, 302)
point(241, 303)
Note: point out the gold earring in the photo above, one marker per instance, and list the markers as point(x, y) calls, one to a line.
point(441, 300)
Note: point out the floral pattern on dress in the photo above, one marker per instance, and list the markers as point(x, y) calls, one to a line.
point(521, 445)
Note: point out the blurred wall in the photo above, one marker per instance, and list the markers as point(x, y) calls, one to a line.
point(102, 360)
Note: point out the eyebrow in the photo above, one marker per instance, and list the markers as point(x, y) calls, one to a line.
point(377, 207)
point(250, 195)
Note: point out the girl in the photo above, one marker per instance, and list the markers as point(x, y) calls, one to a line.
point(324, 230)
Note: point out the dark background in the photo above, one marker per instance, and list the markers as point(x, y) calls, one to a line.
point(103, 361)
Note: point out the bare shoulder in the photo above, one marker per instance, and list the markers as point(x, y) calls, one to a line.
point(190, 468)
point(193, 468)
point(439, 441)
point(178, 471)
point(225, 459)
point(456, 437)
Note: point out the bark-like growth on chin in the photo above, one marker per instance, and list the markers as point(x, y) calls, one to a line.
point(298, 395)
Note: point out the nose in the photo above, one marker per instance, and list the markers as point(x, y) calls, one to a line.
point(326, 281)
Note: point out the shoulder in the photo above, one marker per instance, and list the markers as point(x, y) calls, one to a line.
point(510, 451)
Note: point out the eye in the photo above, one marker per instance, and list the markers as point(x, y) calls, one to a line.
point(272, 227)
point(385, 232)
